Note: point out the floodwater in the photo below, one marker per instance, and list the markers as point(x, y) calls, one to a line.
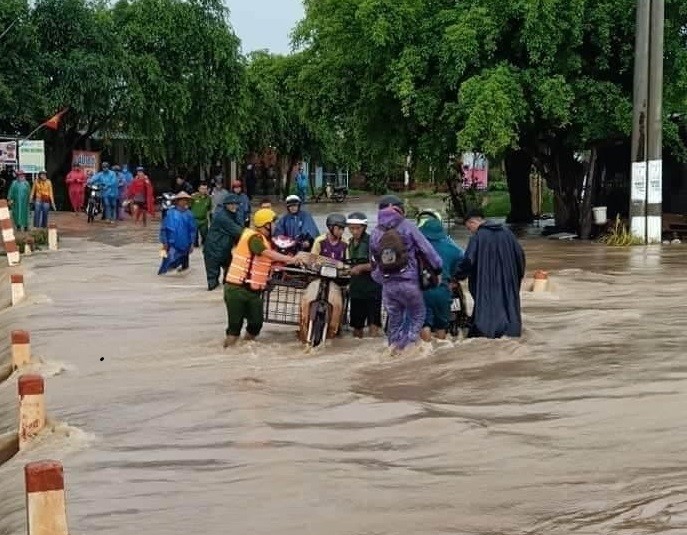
point(577, 428)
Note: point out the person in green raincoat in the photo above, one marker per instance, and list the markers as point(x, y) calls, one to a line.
point(225, 230)
point(201, 205)
point(18, 197)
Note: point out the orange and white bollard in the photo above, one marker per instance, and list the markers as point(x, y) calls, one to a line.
point(17, 287)
point(541, 281)
point(8, 234)
point(31, 408)
point(52, 237)
point(46, 506)
point(21, 348)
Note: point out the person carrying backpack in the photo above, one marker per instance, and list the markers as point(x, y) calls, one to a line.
point(397, 248)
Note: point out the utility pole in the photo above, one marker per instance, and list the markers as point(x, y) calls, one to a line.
point(640, 99)
point(647, 123)
point(654, 216)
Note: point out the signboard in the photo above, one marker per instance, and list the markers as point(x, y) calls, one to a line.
point(638, 192)
point(31, 156)
point(89, 161)
point(655, 182)
point(475, 170)
point(8, 152)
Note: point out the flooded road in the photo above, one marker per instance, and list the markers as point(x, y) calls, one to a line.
point(577, 428)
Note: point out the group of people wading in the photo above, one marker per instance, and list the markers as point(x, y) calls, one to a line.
point(405, 268)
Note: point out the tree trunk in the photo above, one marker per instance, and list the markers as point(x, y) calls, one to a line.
point(565, 178)
point(588, 192)
point(518, 166)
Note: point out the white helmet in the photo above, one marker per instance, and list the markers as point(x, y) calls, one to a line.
point(293, 199)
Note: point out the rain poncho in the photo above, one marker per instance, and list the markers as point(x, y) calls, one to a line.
point(401, 293)
point(18, 195)
point(244, 206)
point(495, 264)
point(299, 226)
point(225, 230)
point(438, 300)
point(75, 180)
point(177, 231)
point(107, 181)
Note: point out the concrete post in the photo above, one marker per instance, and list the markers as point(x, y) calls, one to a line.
point(17, 286)
point(52, 237)
point(21, 348)
point(31, 408)
point(639, 122)
point(46, 508)
point(655, 125)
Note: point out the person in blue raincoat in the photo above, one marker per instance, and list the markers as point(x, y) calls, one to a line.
point(244, 202)
point(301, 183)
point(297, 224)
point(177, 233)
point(438, 300)
point(107, 180)
point(124, 179)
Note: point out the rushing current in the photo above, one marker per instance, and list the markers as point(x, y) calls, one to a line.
point(576, 428)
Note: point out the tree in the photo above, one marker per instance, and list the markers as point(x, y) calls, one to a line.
point(533, 82)
point(21, 97)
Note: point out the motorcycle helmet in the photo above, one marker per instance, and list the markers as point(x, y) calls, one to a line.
point(236, 184)
point(356, 218)
point(263, 217)
point(293, 200)
point(116, 168)
point(139, 168)
point(424, 215)
point(390, 200)
point(106, 165)
point(336, 220)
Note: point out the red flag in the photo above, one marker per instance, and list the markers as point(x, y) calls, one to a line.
point(54, 122)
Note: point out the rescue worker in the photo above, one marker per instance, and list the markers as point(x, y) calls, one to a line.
point(438, 299)
point(224, 232)
point(244, 201)
point(248, 274)
point(395, 247)
point(365, 295)
point(332, 245)
point(297, 224)
point(201, 207)
point(177, 232)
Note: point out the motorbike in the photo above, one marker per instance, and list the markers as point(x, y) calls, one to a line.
point(95, 203)
point(165, 201)
point(322, 304)
point(332, 192)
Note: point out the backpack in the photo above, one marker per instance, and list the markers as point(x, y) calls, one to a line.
point(392, 255)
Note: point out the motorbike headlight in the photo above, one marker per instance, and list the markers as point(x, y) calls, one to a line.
point(329, 271)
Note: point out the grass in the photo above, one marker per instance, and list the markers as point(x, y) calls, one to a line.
point(498, 203)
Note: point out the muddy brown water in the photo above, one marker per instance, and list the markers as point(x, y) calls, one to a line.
point(577, 428)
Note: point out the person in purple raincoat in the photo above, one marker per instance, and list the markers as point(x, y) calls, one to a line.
point(401, 293)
